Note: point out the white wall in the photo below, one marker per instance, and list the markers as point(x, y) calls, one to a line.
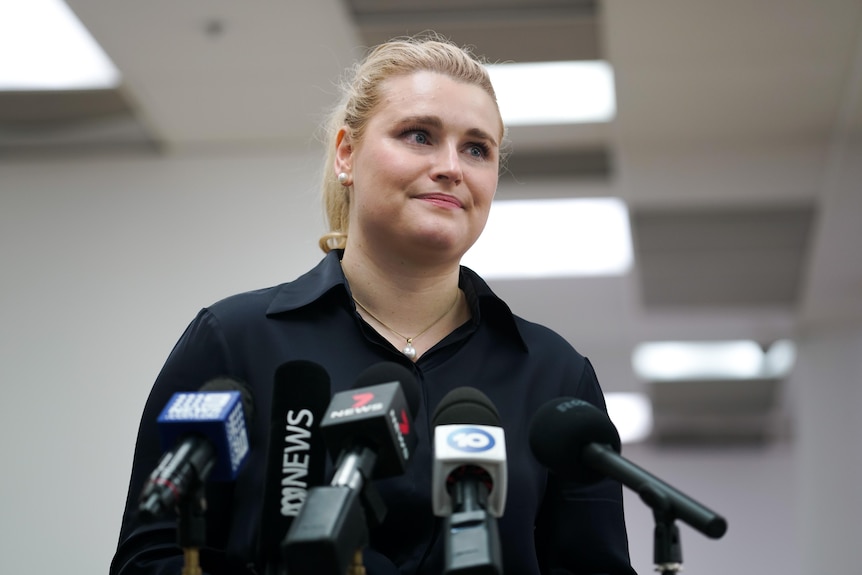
point(753, 488)
point(828, 385)
point(104, 262)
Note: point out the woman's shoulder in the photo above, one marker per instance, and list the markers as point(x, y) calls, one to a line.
point(495, 311)
point(282, 297)
point(540, 336)
point(244, 303)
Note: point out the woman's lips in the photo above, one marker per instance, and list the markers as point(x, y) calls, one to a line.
point(441, 200)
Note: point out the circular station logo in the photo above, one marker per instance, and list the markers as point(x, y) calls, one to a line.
point(470, 439)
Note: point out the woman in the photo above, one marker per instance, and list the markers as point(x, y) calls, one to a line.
point(414, 161)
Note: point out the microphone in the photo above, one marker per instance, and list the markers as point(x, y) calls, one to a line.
point(578, 440)
point(369, 433)
point(469, 480)
point(204, 437)
point(296, 456)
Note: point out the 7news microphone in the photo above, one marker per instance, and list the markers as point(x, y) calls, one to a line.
point(296, 455)
point(577, 440)
point(469, 481)
point(369, 433)
point(204, 436)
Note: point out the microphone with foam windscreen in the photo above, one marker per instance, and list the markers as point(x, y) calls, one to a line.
point(469, 481)
point(369, 433)
point(204, 436)
point(296, 456)
point(577, 440)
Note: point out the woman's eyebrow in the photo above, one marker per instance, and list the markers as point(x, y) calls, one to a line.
point(433, 121)
point(482, 135)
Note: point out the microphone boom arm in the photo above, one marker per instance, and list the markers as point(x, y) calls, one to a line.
point(667, 503)
point(603, 458)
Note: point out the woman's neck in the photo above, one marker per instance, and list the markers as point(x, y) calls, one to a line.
point(404, 301)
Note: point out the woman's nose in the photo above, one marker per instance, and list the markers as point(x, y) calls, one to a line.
point(448, 164)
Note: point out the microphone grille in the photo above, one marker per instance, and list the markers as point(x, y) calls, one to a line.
point(562, 428)
point(466, 405)
point(300, 383)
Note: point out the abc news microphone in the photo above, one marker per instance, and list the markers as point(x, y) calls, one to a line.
point(469, 481)
point(578, 440)
point(369, 433)
point(296, 455)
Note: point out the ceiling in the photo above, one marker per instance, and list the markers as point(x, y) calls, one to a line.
point(737, 145)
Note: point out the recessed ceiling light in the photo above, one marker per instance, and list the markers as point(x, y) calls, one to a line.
point(779, 359)
point(631, 414)
point(43, 46)
point(735, 359)
point(554, 92)
point(553, 238)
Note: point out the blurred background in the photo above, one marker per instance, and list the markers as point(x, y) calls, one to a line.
point(734, 144)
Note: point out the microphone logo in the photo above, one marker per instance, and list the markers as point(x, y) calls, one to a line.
point(470, 440)
point(361, 406)
point(401, 429)
point(361, 399)
point(237, 438)
point(404, 424)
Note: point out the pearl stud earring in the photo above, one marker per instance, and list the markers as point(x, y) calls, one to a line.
point(342, 178)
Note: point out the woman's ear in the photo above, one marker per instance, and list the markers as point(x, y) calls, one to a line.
point(343, 151)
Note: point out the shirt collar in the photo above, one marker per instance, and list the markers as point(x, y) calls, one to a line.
point(327, 276)
point(311, 286)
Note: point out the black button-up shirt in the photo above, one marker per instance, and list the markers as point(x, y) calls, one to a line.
point(549, 526)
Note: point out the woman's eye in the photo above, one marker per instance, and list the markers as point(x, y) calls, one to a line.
point(478, 150)
point(416, 136)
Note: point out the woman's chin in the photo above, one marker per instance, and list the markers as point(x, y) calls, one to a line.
point(443, 248)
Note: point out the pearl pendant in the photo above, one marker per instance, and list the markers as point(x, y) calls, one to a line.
point(409, 350)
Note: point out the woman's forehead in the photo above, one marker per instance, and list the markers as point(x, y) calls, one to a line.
point(425, 93)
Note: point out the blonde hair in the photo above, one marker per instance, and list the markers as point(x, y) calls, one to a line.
point(361, 95)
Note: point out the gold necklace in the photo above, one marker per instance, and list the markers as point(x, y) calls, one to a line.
point(409, 350)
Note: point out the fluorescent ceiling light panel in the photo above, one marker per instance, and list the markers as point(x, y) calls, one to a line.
point(553, 238)
point(739, 359)
point(43, 46)
point(779, 359)
point(554, 92)
point(631, 414)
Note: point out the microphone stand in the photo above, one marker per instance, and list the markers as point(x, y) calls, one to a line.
point(191, 529)
point(668, 505)
point(357, 567)
point(667, 546)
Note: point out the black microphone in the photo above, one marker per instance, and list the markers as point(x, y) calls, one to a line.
point(296, 456)
point(578, 440)
point(204, 437)
point(469, 479)
point(369, 432)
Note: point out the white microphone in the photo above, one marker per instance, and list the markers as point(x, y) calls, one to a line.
point(459, 447)
point(469, 480)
